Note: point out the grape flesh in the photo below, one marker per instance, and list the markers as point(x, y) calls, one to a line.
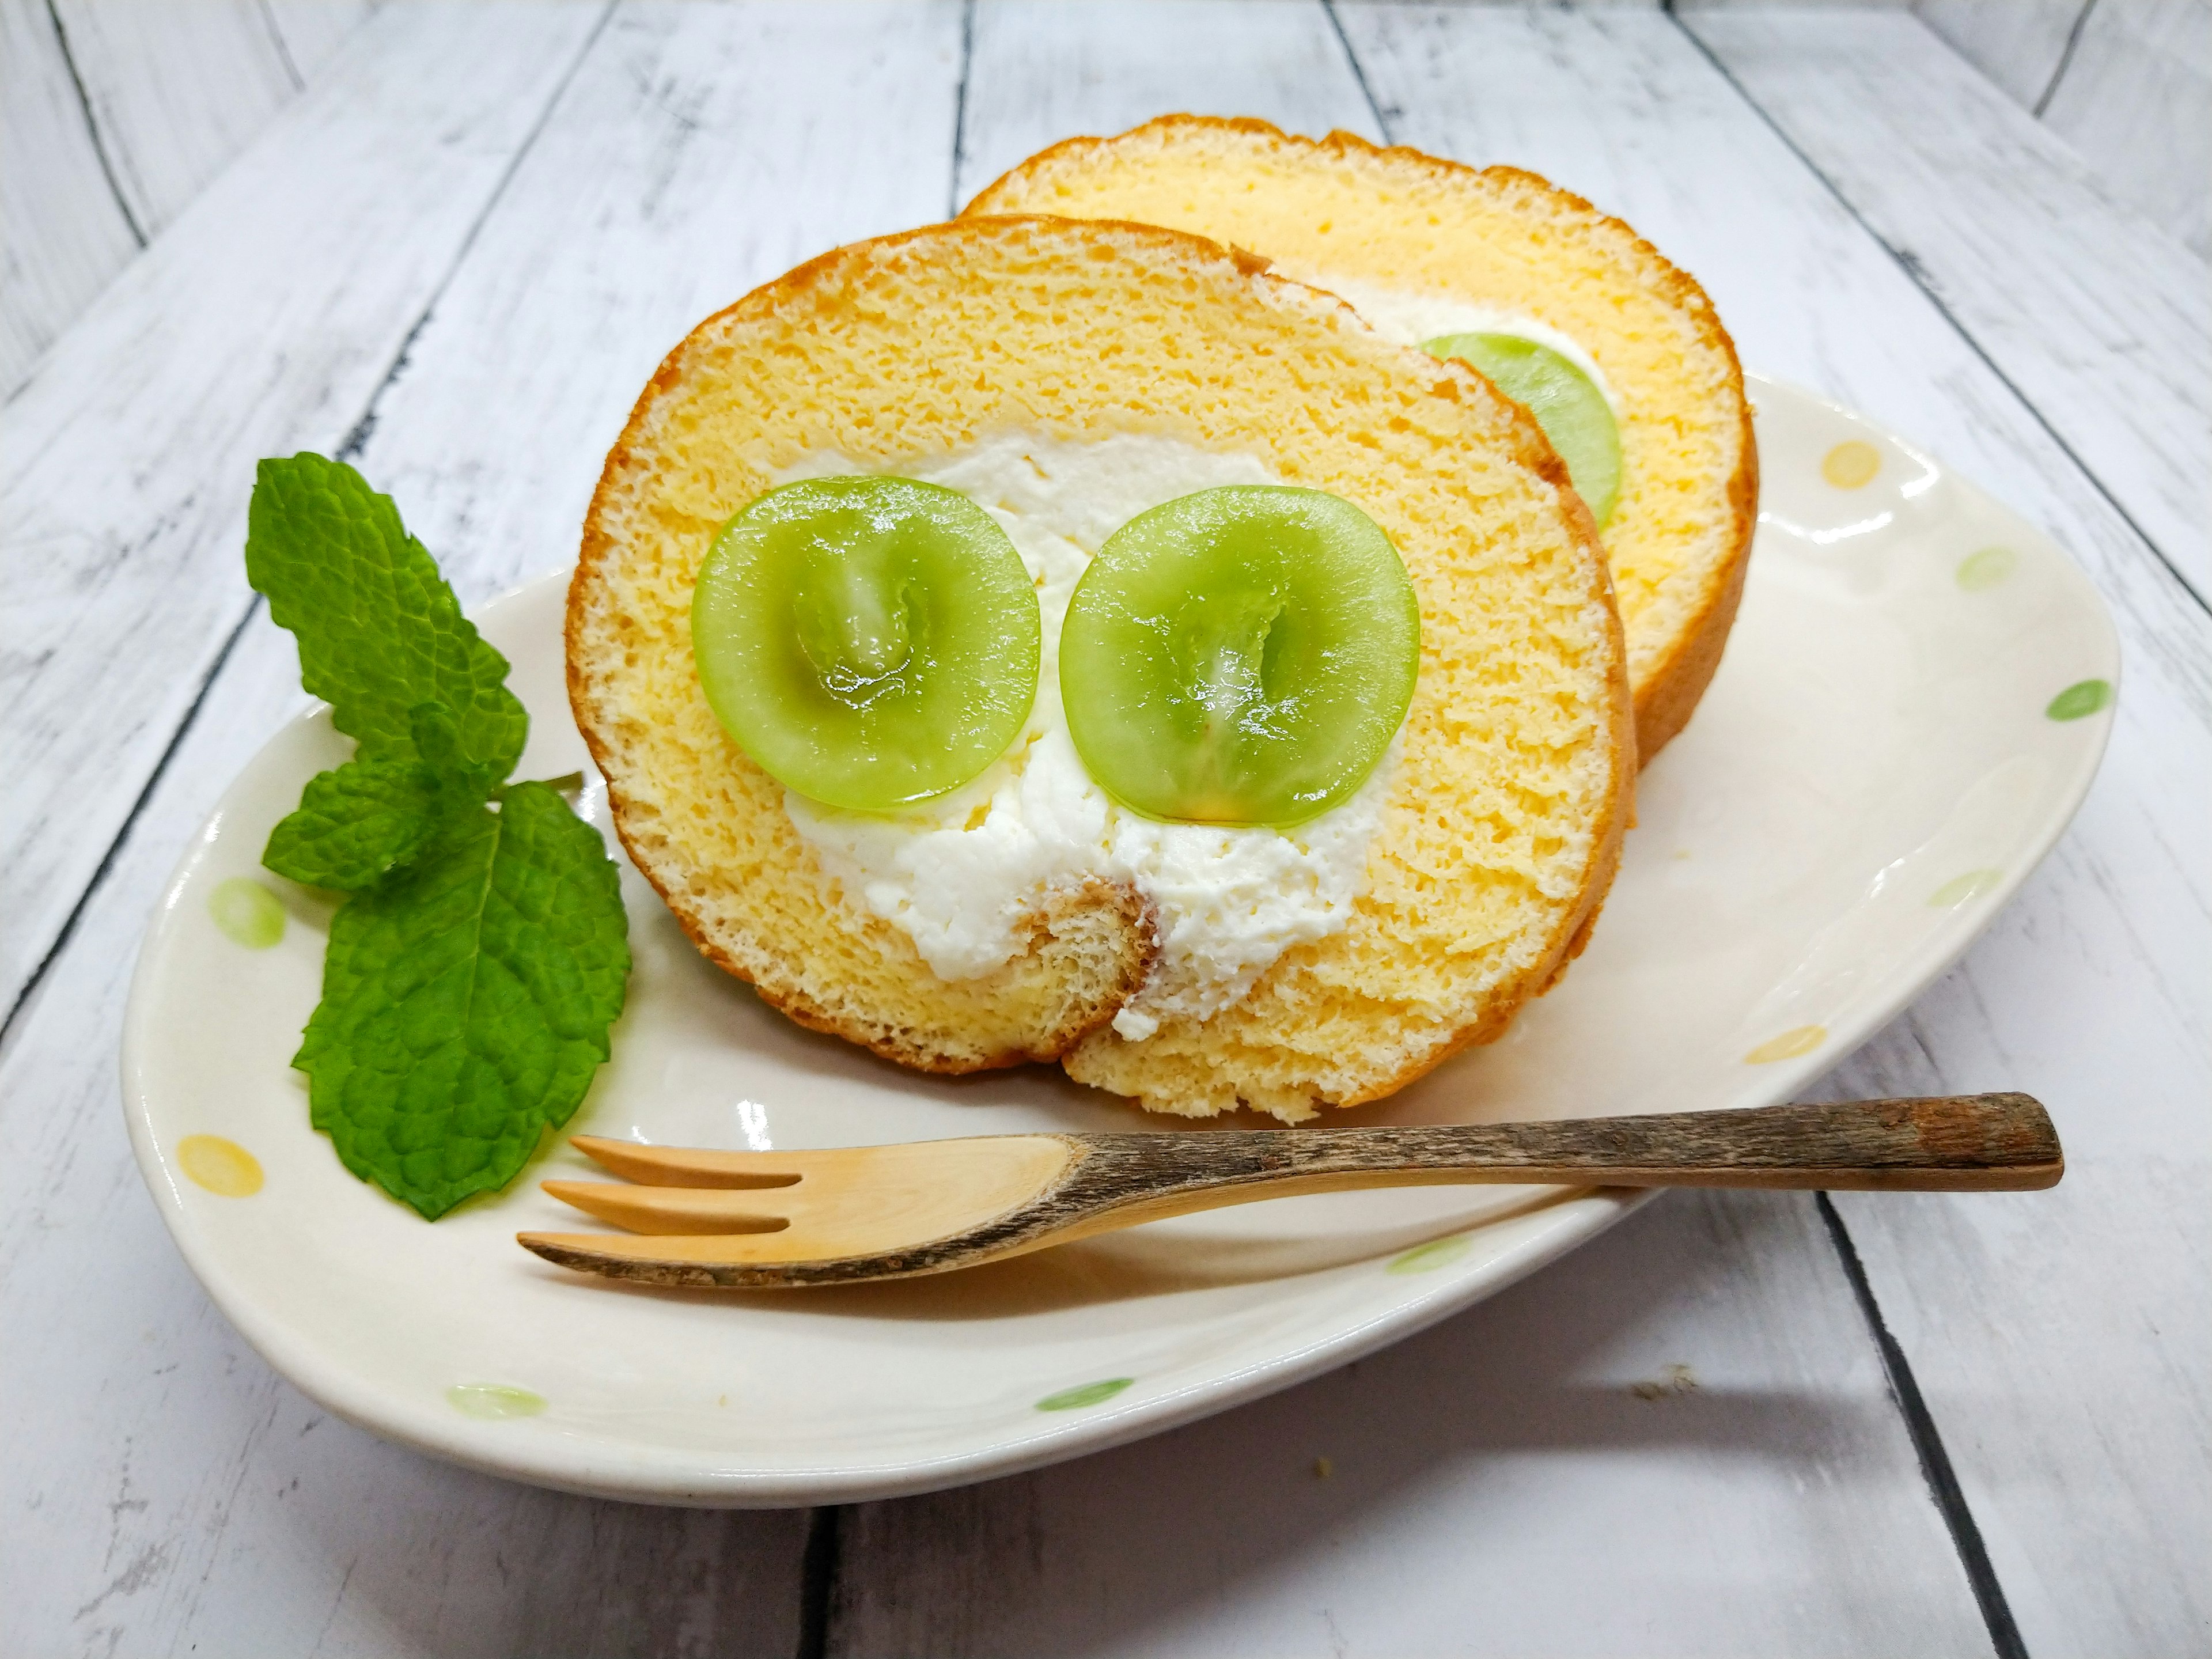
point(871, 642)
point(1241, 655)
point(1566, 404)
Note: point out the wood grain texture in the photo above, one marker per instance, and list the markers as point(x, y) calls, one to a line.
point(262, 323)
point(2081, 992)
point(1675, 1442)
point(1048, 69)
point(109, 135)
point(175, 90)
point(181, 1493)
point(706, 150)
point(2137, 101)
point(62, 233)
point(2099, 319)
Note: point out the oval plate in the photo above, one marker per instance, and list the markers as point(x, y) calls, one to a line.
point(1913, 702)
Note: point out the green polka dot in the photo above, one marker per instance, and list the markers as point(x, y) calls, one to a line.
point(494, 1400)
point(248, 913)
point(2081, 698)
point(1089, 1394)
point(1986, 567)
point(1427, 1258)
point(1960, 889)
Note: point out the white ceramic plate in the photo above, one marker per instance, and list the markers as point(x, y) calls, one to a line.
point(1911, 705)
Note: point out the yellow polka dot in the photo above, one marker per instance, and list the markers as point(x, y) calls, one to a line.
point(223, 1167)
point(1850, 465)
point(248, 913)
point(1790, 1044)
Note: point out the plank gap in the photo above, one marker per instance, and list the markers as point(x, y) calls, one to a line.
point(283, 52)
point(960, 109)
point(2065, 57)
point(1359, 74)
point(1927, 1444)
point(99, 142)
point(817, 1567)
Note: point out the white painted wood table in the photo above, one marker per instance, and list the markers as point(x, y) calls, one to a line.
point(1738, 1423)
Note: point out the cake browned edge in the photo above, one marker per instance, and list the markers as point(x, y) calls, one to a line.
point(1531, 448)
point(1671, 692)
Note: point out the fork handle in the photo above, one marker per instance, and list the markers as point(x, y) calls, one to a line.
point(1962, 1143)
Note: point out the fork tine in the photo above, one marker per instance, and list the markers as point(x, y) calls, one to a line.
point(625, 1255)
point(664, 1210)
point(688, 1166)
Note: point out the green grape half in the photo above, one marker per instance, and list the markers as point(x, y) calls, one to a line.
point(871, 642)
point(1242, 656)
point(1566, 402)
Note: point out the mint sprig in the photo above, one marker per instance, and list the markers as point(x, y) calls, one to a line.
point(473, 973)
point(358, 823)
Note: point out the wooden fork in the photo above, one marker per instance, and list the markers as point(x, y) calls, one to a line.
point(773, 1219)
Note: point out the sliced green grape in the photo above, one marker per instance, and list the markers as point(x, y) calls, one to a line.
point(871, 642)
point(1242, 656)
point(1566, 404)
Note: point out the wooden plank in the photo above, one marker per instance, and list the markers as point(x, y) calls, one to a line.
point(185, 1495)
point(2018, 44)
point(1048, 69)
point(2137, 101)
point(176, 91)
point(2032, 1323)
point(2103, 322)
point(62, 232)
point(1675, 1442)
point(261, 323)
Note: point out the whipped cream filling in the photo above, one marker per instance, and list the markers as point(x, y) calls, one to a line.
point(959, 873)
point(1411, 319)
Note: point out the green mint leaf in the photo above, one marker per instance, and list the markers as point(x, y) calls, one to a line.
point(467, 1001)
point(355, 823)
point(361, 821)
point(379, 632)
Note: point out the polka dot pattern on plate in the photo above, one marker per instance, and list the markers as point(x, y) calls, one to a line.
point(1087, 1393)
point(1850, 465)
point(1985, 568)
point(1427, 1258)
point(494, 1400)
point(220, 1166)
point(1799, 1040)
point(2079, 699)
point(247, 913)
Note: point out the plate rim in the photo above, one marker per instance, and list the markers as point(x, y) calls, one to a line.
point(595, 1467)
